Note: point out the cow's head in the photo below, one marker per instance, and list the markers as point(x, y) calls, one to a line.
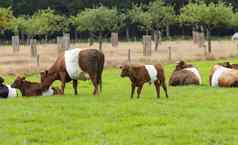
point(182, 65)
point(226, 64)
point(43, 75)
point(1, 80)
point(57, 91)
point(18, 82)
point(125, 70)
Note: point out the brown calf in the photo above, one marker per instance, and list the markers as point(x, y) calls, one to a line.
point(139, 75)
point(30, 88)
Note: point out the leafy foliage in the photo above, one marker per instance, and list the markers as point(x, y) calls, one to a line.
point(209, 16)
point(5, 18)
point(161, 14)
point(18, 24)
point(46, 21)
point(99, 19)
point(139, 16)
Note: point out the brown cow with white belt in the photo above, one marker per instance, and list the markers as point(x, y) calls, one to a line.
point(185, 74)
point(140, 74)
point(221, 76)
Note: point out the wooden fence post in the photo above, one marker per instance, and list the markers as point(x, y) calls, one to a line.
point(170, 53)
point(60, 46)
point(33, 47)
point(114, 39)
point(15, 44)
point(205, 50)
point(147, 45)
point(66, 41)
point(129, 56)
point(237, 49)
point(200, 39)
point(38, 60)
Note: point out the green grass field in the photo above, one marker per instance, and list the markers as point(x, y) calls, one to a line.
point(191, 116)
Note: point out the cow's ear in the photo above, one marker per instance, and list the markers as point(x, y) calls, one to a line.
point(46, 72)
point(121, 66)
point(23, 78)
point(1, 80)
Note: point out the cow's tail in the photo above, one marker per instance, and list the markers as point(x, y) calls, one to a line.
point(101, 61)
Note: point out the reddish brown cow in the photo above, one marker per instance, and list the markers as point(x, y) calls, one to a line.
point(138, 74)
point(221, 76)
point(185, 74)
point(90, 61)
point(28, 88)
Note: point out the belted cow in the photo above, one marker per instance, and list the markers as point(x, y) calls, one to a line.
point(140, 74)
point(6, 91)
point(185, 74)
point(221, 76)
point(73, 65)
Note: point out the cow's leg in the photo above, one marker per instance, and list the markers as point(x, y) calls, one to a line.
point(139, 91)
point(165, 89)
point(75, 86)
point(95, 84)
point(63, 81)
point(157, 87)
point(132, 90)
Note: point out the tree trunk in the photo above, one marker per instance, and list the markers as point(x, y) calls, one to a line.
point(156, 39)
point(168, 31)
point(183, 33)
point(75, 36)
point(46, 38)
point(127, 34)
point(91, 41)
point(100, 41)
point(209, 41)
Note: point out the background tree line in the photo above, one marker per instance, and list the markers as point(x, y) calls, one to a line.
point(131, 18)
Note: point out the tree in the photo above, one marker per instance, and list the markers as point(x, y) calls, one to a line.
point(161, 16)
point(208, 16)
point(141, 17)
point(98, 21)
point(5, 18)
point(234, 21)
point(45, 22)
point(18, 25)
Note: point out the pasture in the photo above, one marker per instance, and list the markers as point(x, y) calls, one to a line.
point(191, 116)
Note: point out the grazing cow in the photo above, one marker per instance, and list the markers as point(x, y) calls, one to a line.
point(221, 76)
point(185, 74)
point(73, 65)
point(234, 36)
point(229, 65)
point(6, 91)
point(28, 88)
point(140, 74)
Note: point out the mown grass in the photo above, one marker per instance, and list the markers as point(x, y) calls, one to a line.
point(191, 116)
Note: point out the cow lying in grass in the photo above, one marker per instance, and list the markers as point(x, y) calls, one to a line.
point(229, 65)
point(185, 74)
point(6, 91)
point(28, 88)
point(221, 76)
point(140, 74)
